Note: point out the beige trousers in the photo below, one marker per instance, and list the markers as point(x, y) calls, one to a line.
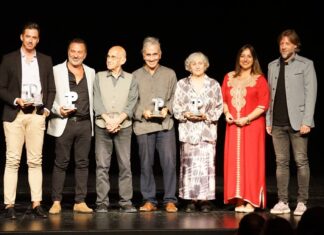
point(28, 129)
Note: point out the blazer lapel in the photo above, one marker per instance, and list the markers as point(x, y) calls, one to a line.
point(19, 69)
point(41, 70)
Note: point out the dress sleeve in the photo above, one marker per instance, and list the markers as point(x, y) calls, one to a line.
point(263, 93)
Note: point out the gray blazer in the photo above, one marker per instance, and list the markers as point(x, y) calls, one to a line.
point(301, 90)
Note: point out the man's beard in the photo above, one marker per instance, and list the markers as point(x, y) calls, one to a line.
point(287, 56)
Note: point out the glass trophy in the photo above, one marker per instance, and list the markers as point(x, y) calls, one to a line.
point(29, 93)
point(195, 105)
point(158, 104)
point(70, 97)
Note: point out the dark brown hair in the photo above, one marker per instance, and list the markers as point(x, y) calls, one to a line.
point(256, 68)
point(292, 36)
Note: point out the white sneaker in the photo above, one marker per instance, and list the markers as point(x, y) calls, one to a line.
point(280, 208)
point(300, 209)
point(239, 208)
point(248, 208)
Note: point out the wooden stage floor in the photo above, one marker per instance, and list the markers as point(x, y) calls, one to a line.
point(221, 220)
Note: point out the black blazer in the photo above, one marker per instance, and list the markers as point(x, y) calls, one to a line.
point(11, 78)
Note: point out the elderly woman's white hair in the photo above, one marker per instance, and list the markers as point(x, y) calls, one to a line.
point(194, 56)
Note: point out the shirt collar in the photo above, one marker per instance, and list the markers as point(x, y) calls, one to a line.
point(23, 54)
point(121, 75)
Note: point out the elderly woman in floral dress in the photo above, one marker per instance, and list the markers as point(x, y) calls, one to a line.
point(197, 106)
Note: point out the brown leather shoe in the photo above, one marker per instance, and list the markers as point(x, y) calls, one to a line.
point(170, 207)
point(56, 208)
point(82, 208)
point(147, 207)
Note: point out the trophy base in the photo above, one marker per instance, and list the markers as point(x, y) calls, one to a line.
point(196, 115)
point(157, 116)
point(69, 108)
point(28, 103)
point(37, 104)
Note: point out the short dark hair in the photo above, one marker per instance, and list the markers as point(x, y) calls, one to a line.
point(30, 25)
point(78, 40)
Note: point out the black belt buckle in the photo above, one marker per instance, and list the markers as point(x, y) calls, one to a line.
point(74, 119)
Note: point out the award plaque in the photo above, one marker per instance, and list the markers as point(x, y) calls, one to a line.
point(158, 104)
point(70, 97)
point(195, 105)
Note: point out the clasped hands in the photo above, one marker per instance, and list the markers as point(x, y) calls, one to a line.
point(242, 121)
point(112, 125)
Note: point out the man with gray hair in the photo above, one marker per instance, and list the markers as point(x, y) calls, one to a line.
point(154, 126)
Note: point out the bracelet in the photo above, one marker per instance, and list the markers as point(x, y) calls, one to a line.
point(248, 122)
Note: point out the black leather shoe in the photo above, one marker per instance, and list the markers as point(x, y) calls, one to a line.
point(205, 207)
point(128, 209)
point(10, 213)
point(39, 212)
point(191, 207)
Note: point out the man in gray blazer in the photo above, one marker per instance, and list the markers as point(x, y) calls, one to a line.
point(27, 89)
point(72, 124)
point(293, 87)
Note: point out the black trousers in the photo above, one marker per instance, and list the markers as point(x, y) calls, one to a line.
point(77, 134)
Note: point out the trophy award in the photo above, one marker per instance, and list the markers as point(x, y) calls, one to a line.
point(158, 104)
point(195, 105)
point(70, 97)
point(29, 93)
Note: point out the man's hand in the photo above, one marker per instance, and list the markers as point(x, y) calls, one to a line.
point(66, 112)
point(164, 112)
point(147, 114)
point(304, 129)
point(22, 103)
point(46, 113)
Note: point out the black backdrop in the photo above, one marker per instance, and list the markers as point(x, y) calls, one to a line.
point(218, 29)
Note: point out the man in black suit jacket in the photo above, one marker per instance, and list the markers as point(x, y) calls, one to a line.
point(27, 89)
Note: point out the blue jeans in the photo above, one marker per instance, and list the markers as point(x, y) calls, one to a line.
point(164, 142)
point(282, 137)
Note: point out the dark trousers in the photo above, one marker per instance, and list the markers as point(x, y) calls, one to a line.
point(77, 134)
point(283, 137)
point(165, 144)
point(105, 142)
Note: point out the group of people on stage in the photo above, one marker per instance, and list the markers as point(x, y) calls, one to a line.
point(112, 104)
